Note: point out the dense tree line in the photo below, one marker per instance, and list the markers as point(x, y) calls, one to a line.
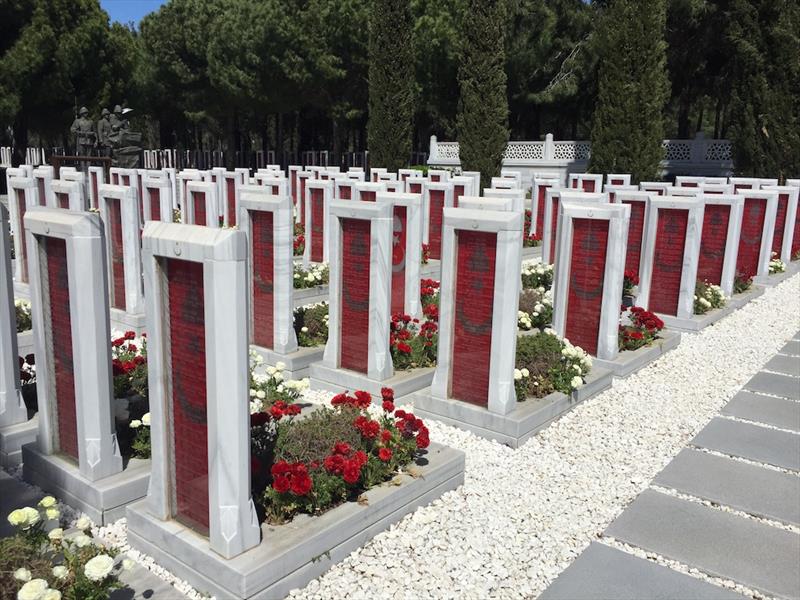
point(295, 74)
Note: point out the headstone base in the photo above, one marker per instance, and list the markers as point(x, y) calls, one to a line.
point(403, 383)
point(532, 252)
point(772, 280)
point(697, 322)
point(630, 361)
point(297, 363)
point(739, 300)
point(431, 270)
point(25, 342)
point(291, 555)
point(13, 437)
point(318, 293)
point(522, 423)
point(22, 291)
point(123, 321)
point(103, 500)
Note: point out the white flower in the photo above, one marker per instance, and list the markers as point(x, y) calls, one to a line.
point(22, 574)
point(56, 535)
point(52, 513)
point(261, 394)
point(278, 376)
point(81, 540)
point(271, 370)
point(280, 388)
point(146, 419)
point(17, 517)
point(32, 590)
point(525, 372)
point(517, 374)
point(255, 406)
point(60, 572)
point(99, 567)
point(297, 275)
point(576, 382)
point(50, 594)
point(135, 424)
point(127, 564)
point(27, 516)
point(280, 366)
point(83, 523)
point(577, 369)
point(304, 329)
point(253, 393)
point(47, 502)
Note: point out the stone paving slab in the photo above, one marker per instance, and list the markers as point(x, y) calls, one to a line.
point(144, 585)
point(756, 443)
point(755, 490)
point(13, 495)
point(775, 385)
point(777, 412)
point(781, 363)
point(792, 347)
point(719, 543)
point(602, 572)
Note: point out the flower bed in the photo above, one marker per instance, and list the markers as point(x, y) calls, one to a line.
point(22, 308)
point(536, 274)
point(129, 368)
point(42, 562)
point(638, 328)
point(548, 363)
point(315, 275)
point(776, 265)
point(334, 454)
point(311, 324)
point(742, 283)
point(413, 343)
point(535, 309)
point(299, 243)
point(529, 240)
point(707, 296)
point(426, 254)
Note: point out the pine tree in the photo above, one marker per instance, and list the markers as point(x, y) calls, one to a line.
point(628, 121)
point(391, 83)
point(482, 121)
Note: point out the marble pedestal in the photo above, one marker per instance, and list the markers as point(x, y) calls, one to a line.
point(312, 295)
point(403, 383)
point(630, 361)
point(431, 270)
point(515, 428)
point(772, 280)
point(697, 322)
point(292, 554)
point(104, 500)
point(25, 342)
point(22, 291)
point(297, 363)
point(123, 321)
point(13, 437)
point(739, 300)
point(531, 252)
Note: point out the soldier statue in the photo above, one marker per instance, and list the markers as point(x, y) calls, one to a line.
point(83, 130)
point(118, 119)
point(103, 133)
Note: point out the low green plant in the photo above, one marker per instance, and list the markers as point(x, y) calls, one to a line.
point(311, 324)
point(537, 275)
point(742, 283)
point(707, 296)
point(316, 274)
point(552, 364)
point(22, 308)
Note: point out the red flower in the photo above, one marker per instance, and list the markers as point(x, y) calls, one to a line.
point(130, 335)
point(352, 473)
point(363, 399)
point(386, 436)
point(341, 448)
point(404, 348)
point(387, 393)
point(385, 454)
point(334, 464)
point(301, 483)
point(388, 406)
point(281, 484)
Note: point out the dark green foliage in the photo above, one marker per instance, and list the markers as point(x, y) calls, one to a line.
point(483, 105)
point(391, 83)
point(628, 121)
point(311, 438)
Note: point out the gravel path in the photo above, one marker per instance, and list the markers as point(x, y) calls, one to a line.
point(525, 515)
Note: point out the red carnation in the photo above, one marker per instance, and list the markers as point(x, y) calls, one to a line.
point(385, 454)
point(301, 484)
point(352, 473)
point(341, 448)
point(387, 393)
point(281, 484)
point(386, 436)
point(388, 406)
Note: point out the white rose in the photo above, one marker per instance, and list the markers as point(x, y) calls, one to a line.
point(51, 595)
point(280, 388)
point(135, 424)
point(17, 517)
point(98, 568)
point(576, 382)
point(22, 574)
point(31, 517)
point(304, 329)
point(60, 572)
point(32, 590)
point(253, 393)
point(47, 502)
point(271, 370)
point(52, 513)
point(56, 534)
point(278, 376)
point(83, 523)
point(525, 372)
point(146, 419)
point(81, 540)
point(517, 374)
point(261, 394)
point(297, 275)
point(280, 366)
point(127, 564)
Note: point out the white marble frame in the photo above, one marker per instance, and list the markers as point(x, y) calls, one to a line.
point(344, 182)
point(396, 186)
point(444, 186)
point(625, 179)
point(691, 251)
point(683, 180)
point(72, 189)
point(233, 523)
point(182, 179)
point(375, 174)
point(636, 196)
point(380, 216)
point(293, 169)
point(442, 174)
point(656, 187)
point(476, 180)
point(131, 243)
point(239, 177)
point(618, 217)
point(503, 183)
point(413, 251)
point(30, 192)
point(12, 406)
point(579, 178)
point(164, 187)
point(683, 192)
point(516, 195)
point(466, 182)
point(736, 203)
point(420, 181)
point(791, 215)
point(767, 232)
point(403, 174)
point(209, 191)
point(358, 176)
point(46, 173)
point(716, 188)
point(512, 174)
point(172, 176)
point(564, 194)
point(282, 184)
point(98, 451)
point(326, 185)
point(487, 203)
point(610, 190)
point(81, 179)
point(257, 199)
point(386, 177)
point(751, 183)
point(716, 180)
point(505, 303)
point(537, 183)
point(368, 186)
point(300, 201)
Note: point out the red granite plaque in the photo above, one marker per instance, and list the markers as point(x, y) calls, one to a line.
point(742, 186)
point(126, 180)
point(553, 227)
point(755, 210)
point(689, 184)
point(293, 185)
point(780, 223)
point(61, 335)
point(115, 178)
point(356, 241)
point(665, 285)
point(42, 197)
point(302, 203)
point(458, 191)
point(617, 182)
point(117, 255)
point(399, 260)
point(261, 223)
point(415, 187)
point(317, 223)
point(587, 185)
point(22, 208)
point(344, 192)
point(474, 304)
point(155, 204)
point(199, 203)
point(586, 278)
point(635, 235)
point(93, 200)
point(796, 234)
point(189, 401)
point(435, 178)
point(542, 200)
point(62, 200)
point(435, 214)
point(230, 198)
point(713, 242)
point(367, 195)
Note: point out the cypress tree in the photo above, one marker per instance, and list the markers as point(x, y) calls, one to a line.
point(628, 121)
point(482, 121)
point(391, 83)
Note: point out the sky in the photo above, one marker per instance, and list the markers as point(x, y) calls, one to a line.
point(126, 11)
